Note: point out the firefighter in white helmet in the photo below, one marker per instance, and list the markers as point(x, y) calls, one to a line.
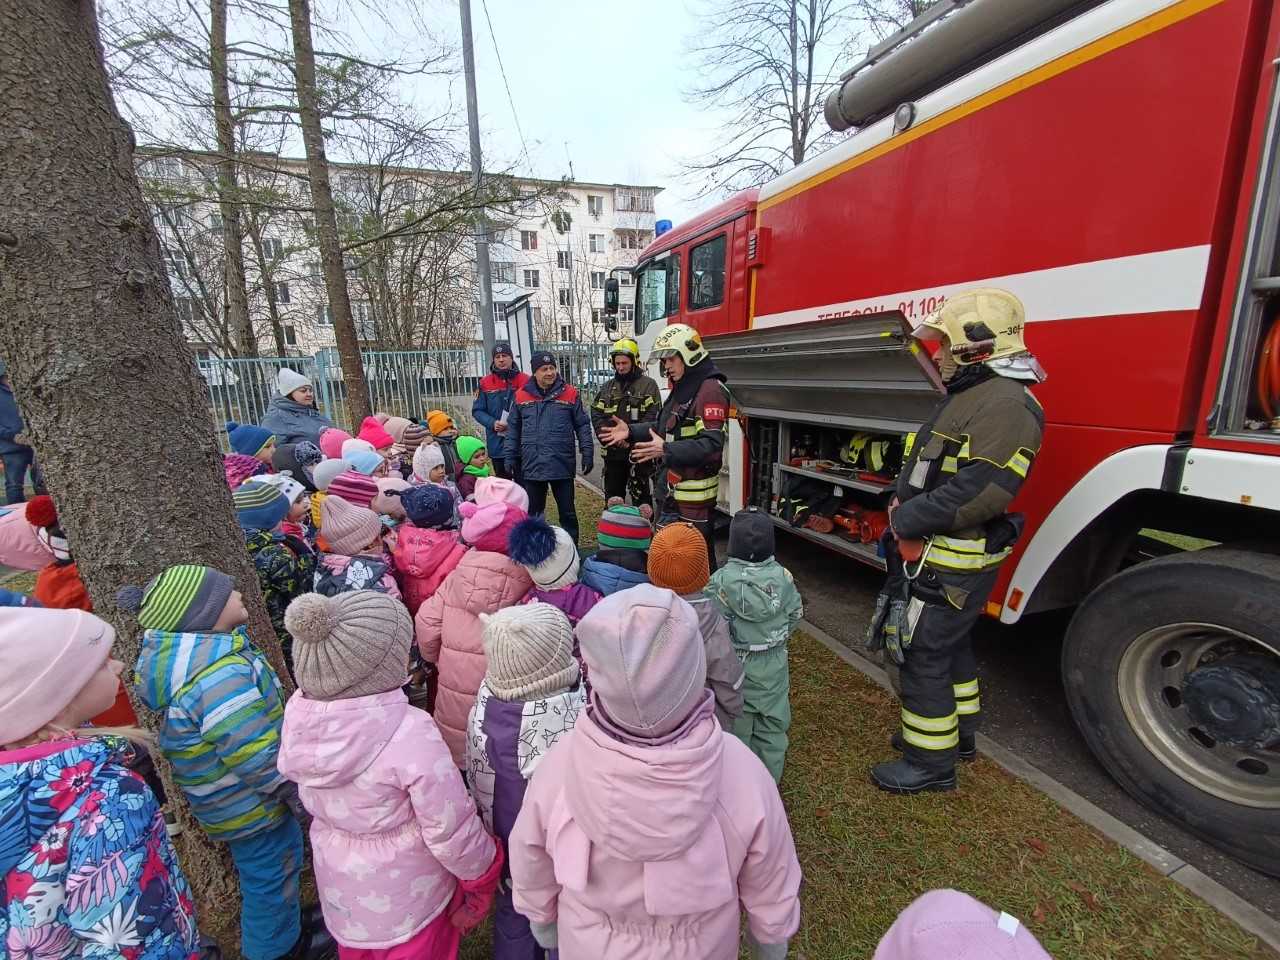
point(687, 435)
point(632, 397)
point(949, 530)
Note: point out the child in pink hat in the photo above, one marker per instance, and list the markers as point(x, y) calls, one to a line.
point(949, 925)
point(86, 812)
point(357, 557)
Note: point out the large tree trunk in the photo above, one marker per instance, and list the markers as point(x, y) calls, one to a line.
point(335, 280)
point(228, 203)
point(113, 405)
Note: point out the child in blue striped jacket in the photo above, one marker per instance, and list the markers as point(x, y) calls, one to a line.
point(222, 710)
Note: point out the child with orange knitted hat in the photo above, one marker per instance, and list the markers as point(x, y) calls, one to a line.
point(678, 562)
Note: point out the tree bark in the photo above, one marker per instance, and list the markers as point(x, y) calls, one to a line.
point(237, 294)
point(335, 279)
point(106, 384)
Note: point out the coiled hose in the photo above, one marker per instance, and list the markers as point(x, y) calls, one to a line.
point(1267, 378)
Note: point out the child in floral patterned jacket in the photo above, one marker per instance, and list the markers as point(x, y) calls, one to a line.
point(87, 866)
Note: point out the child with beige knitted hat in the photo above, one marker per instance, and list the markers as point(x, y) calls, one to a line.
point(357, 558)
point(403, 865)
point(530, 698)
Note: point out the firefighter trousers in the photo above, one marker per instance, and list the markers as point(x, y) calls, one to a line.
point(622, 477)
point(940, 677)
point(766, 707)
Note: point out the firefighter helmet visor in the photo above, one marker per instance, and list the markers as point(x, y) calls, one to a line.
point(977, 326)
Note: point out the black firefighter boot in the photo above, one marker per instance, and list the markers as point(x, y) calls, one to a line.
point(968, 746)
point(902, 776)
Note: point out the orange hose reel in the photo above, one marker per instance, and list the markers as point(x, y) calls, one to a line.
point(1267, 378)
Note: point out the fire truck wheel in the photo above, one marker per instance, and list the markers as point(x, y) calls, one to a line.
point(1172, 672)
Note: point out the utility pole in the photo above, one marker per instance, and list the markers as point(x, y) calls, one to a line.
point(482, 227)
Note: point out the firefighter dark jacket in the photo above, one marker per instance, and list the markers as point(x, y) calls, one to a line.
point(633, 399)
point(966, 464)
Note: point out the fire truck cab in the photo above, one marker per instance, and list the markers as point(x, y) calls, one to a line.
point(1116, 165)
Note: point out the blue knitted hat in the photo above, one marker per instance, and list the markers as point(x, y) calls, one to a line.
point(259, 506)
point(364, 461)
point(246, 438)
point(429, 505)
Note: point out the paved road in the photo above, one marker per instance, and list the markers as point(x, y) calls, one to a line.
point(1023, 705)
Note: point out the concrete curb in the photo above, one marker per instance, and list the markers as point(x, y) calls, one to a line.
point(1245, 914)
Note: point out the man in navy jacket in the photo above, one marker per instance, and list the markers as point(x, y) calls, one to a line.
point(494, 398)
point(548, 417)
point(18, 457)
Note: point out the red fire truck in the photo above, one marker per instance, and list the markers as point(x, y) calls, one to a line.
point(1117, 166)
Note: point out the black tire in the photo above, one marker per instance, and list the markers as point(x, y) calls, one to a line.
point(1235, 589)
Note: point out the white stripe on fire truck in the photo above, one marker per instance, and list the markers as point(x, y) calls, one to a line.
point(1161, 282)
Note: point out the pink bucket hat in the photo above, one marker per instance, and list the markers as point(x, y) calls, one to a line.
point(487, 527)
point(646, 660)
point(331, 441)
point(48, 657)
point(497, 490)
point(949, 925)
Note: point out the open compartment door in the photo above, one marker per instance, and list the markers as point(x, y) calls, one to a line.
point(864, 372)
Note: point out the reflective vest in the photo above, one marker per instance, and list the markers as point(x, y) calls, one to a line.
point(705, 417)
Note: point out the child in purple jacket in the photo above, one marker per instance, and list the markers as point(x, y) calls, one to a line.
point(530, 698)
point(551, 558)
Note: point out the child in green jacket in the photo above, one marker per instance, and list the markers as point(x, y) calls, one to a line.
point(758, 597)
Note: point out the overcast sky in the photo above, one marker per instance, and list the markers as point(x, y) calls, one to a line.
point(597, 82)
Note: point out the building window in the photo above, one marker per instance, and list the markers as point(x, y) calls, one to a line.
point(164, 168)
point(635, 202)
point(597, 279)
point(626, 279)
point(706, 274)
point(272, 249)
point(595, 242)
point(282, 292)
point(528, 239)
point(290, 337)
point(537, 316)
point(595, 205)
point(566, 332)
point(531, 278)
point(185, 307)
point(633, 239)
point(313, 271)
point(566, 297)
point(404, 191)
point(176, 266)
point(597, 316)
point(627, 314)
point(504, 272)
point(324, 315)
point(561, 221)
point(215, 221)
point(564, 259)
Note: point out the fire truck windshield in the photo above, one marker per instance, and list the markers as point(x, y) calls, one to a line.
point(658, 290)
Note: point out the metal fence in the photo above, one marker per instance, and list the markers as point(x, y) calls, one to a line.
point(404, 383)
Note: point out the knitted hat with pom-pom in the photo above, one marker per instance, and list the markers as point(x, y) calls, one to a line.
point(547, 552)
point(43, 515)
point(248, 439)
point(429, 505)
point(528, 651)
point(353, 645)
point(260, 506)
point(183, 598)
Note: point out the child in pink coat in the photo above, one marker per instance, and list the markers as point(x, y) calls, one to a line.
point(426, 549)
point(448, 625)
point(648, 829)
point(403, 864)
